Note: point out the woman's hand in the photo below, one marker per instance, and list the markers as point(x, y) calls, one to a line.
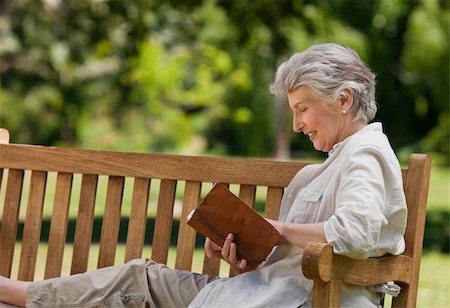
point(299, 234)
point(280, 227)
point(228, 252)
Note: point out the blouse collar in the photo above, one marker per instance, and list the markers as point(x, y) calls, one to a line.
point(372, 127)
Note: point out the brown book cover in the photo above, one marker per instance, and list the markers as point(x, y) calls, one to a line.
point(221, 213)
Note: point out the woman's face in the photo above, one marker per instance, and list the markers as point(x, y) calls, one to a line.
point(324, 124)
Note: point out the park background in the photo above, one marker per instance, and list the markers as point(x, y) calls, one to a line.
point(192, 77)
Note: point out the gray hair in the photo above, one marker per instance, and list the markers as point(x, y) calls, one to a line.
point(328, 69)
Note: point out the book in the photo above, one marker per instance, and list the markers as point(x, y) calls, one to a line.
point(221, 212)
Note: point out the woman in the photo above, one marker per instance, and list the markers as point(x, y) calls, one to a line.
point(354, 201)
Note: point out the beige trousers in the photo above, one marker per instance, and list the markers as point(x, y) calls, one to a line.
point(138, 283)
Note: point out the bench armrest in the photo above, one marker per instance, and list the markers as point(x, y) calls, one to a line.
point(320, 263)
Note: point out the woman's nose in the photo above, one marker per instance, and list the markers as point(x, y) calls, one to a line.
point(297, 124)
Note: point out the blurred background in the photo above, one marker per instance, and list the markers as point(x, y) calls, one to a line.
point(192, 77)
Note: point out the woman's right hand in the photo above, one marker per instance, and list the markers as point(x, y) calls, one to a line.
point(228, 252)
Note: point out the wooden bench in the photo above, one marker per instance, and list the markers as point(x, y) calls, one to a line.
point(251, 178)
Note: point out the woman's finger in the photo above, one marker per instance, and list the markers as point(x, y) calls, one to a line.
point(210, 251)
point(239, 265)
point(242, 266)
point(226, 247)
point(232, 256)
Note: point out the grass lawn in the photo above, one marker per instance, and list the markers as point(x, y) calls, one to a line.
point(434, 284)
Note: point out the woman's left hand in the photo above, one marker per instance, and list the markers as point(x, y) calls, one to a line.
point(228, 252)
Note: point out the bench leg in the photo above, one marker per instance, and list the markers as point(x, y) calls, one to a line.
point(327, 294)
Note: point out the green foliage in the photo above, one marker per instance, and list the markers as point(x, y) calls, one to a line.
point(425, 73)
point(320, 26)
point(181, 90)
point(179, 76)
point(437, 140)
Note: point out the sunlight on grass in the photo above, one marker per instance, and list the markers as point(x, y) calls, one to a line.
point(439, 192)
point(434, 283)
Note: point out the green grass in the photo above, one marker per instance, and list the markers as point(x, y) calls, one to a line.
point(439, 192)
point(434, 283)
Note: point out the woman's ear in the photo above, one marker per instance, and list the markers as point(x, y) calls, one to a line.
point(345, 100)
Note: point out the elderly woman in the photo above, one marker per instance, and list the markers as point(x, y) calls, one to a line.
point(354, 201)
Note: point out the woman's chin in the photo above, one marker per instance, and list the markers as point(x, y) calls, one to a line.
point(321, 148)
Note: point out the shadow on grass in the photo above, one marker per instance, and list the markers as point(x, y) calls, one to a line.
point(437, 231)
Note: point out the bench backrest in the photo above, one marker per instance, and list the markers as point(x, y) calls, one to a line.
point(165, 172)
point(161, 174)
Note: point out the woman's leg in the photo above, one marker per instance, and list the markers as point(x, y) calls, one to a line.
point(174, 288)
point(116, 286)
point(139, 283)
point(13, 292)
point(3, 305)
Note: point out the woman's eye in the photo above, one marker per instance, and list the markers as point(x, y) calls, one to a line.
point(302, 110)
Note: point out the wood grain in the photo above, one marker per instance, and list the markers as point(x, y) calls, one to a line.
point(186, 234)
point(111, 221)
point(273, 202)
point(32, 226)
point(10, 220)
point(138, 219)
point(58, 229)
point(416, 186)
point(161, 166)
point(84, 224)
point(163, 221)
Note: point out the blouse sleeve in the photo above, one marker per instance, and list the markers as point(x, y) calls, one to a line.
point(354, 229)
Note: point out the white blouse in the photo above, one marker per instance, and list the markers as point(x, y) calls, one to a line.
point(358, 192)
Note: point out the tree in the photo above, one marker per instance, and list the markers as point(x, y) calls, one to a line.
point(157, 76)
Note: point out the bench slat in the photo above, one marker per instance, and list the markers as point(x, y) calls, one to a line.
point(273, 202)
point(247, 194)
point(155, 166)
point(84, 224)
point(186, 234)
point(32, 226)
point(111, 221)
point(211, 266)
point(10, 219)
point(163, 221)
point(58, 230)
point(138, 219)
